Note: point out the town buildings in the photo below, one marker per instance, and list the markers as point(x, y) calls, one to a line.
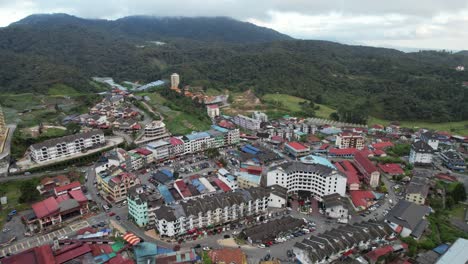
point(408, 219)
point(335, 206)
point(417, 190)
point(453, 160)
point(246, 122)
point(431, 139)
point(318, 179)
point(66, 146)
point(114, 185)
point(188, 216)
point(262, 117)
point(367, 169)
point(141, 206)
point(156, 130)
point(421, 153)
point(296, 149)
point(346, 140)
point(212, 110)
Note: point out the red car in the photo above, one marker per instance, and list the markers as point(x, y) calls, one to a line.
point(111, 214)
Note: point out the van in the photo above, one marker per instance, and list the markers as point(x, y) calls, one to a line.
point(105, 207)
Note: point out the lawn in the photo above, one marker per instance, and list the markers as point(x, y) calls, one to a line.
point(183, 123)
point(10, 189)
point(460, 127)
point(289, 102)
point(324, 111)
point(62, 90)
point(54, 132)
point(458, 211)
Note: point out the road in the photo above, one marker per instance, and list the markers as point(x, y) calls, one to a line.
point(7, 147)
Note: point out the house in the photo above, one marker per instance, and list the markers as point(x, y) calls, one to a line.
point(368, 170)
point(212, 110)
point(227, 256)
point(391, 169)
point(408, 219)
point(114, 188)
point(47, 184)
point(421, 153)
point(352, 178)
point(269, 231)
point(296, 149)
point(453, 160)
point(278, 196)
point(335, 206)
point(417, 190)
point(431, 139)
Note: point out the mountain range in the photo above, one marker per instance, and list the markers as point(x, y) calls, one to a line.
point(220, 52)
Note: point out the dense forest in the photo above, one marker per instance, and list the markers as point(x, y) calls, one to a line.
point(223, 53)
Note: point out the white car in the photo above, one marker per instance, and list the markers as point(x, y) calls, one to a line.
point(261, 246)
point(206, 248)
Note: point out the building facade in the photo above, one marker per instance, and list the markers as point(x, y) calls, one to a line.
point(421, 153)
point(175, 80)
point(66, 146)
point(246, 122)
point(156, 129)
point(347, 140)
point(318, 179)
point(114, 188)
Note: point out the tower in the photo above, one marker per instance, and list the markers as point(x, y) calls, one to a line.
point(3, 128)
point(175, 80)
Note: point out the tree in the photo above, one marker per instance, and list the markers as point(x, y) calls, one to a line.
point(334, 116)
point(72, 128)
point(458, 192)
point(212, 153)
point(28, 192)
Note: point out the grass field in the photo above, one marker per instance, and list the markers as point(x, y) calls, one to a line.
point(454, 127)
point(10, 189)
point(62, 90)
point(289, 102)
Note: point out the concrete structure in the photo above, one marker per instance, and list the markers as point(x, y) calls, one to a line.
point(453, 160)
point(278, 196)
point(212, 110)
point(66, 146)
point(318, 179)
point(218, 209)
point(246, 122)
point(296, 149)
point(370, 173)
point(408, 219)
point(141, 206)
point(431, 139)
point(161, 149)
point(347, 140)
point(421, 153)
point(335, 206)
point(417, 190)
point(175, 80)
point(262, 117)
point(114, 186)
point(456, 254)
point(156, 129)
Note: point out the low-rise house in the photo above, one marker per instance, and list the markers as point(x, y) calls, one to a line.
point(296, 149)
point(278, 196)
point(408, 219)
point(391, 169)
point(367, 169)
point(114, 188)
point(335, 206)
point(267, 232)
point(47, 184)
point(417, 190)
point(431, 139)
point(247, 180)
point(332, 244)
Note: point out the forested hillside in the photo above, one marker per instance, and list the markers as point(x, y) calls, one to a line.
point(44, 50)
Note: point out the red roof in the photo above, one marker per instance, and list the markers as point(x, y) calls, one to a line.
point(277, 138)
point(361, 197)
point(446, 177)
point(254, 170)
point(136, 126)
point(46, 207)
point(348, 169)
point(227, 255)
point(213, 106)
point(382, 145)
point(324, 146)
point(73, 253)
point(85, 230)
point(78, 195)
point(377, 126)
point(296, 146)
point(378, 252)
point(379, 152)
point(36, 255)
point(222, 185)
point(68, 187)
point(99, 249)
point(143, 151)
point(183, 188)
point(62, 198)
point(391, 168)
point(226, 124)
point(175, 141)
point(313, 138)
point(364, 162)
point(345, 151)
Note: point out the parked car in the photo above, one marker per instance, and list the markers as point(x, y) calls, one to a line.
point(118, 218)
point(261, 246)
point(111, 214)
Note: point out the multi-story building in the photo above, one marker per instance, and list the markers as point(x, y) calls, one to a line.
point(156, 129)
point(196, 142)
point(177, 147)
point(453, 160)
point(370, 173)
point(417, 190)
point(218, 138)
point(218, 209)
point(431, 139)
point(66, 146)
point(231, 136)
point(175, 80)
point(160, 149)
point(246, 122)
point(318, 179)
point(296, 149)
point(141, 206)
point(262, 117)
point(421, 153)
point(212, 110)
point(114, 188)
point(347, 140)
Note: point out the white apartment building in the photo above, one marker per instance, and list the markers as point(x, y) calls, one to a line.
point(66, 146)
point(156, 129)
point(349, 140)
point(197, 141)
point(215, 210)
point(421, 153)
point(246, 122)
point(260, 116)
point(160, 149)
point(175, 80)
point(318, 179)
point(431, 139)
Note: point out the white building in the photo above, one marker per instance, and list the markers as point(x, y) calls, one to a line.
point(218, 209)
point(197, 141)
point(66, 146)
point(318, 179)
point(431, 139)
point(335, 206)
point(408, 219)
point(278, 196)
point(260, 116)
point(160, 149)
point(246, 122)
point(156, 129)
point(175, 80)
point(421, 153)
point(228, 178)
point(349, 140)
point(212, 110)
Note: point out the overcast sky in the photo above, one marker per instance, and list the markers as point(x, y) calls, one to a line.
point(435, 24)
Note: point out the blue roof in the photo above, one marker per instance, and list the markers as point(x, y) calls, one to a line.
point(440, 249)
point(312, 159)
point(252, 148)
point(230, 177)
point(200, 187)
point(197, 135)
point(166, 194)
point(167, 172)
point(249, 177)
point(330, 130)
point(162, 250)
point(220, 129)
point(145, 249)
point(248, 150)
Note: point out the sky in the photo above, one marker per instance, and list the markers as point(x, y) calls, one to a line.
point(403, 24)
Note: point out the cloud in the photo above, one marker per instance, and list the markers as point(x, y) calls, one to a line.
point(418, 23)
